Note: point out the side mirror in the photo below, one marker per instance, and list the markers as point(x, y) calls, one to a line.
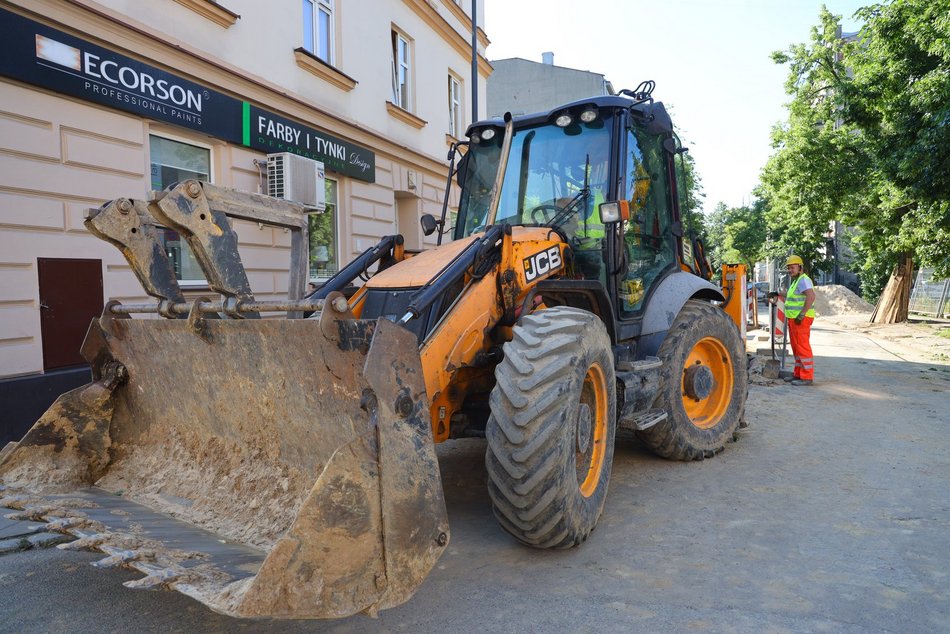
point(429, 224)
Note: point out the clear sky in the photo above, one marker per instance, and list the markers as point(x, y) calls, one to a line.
point(710, 60)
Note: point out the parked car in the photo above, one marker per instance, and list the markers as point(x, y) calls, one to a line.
point(761, 292)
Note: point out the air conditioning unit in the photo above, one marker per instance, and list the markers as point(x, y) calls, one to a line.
point(296, 178)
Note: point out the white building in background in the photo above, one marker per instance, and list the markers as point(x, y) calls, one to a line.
point(102, 99)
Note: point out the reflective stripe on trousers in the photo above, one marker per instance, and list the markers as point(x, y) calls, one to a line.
point(801, 348)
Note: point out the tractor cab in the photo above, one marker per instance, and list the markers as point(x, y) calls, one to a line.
point(600, 174)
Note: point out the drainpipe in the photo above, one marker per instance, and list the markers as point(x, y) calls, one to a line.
point(474, 61)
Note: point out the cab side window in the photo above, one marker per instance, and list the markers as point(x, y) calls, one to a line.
point(648, 240)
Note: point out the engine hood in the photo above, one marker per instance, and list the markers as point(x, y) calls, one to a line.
point(418, 270)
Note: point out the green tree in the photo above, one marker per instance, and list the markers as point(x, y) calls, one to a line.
point(867, 140)
point(746, 234)
point(716, 234)
point(737, 234)
point(691, 194)
point(899, 99)
point(809, 179)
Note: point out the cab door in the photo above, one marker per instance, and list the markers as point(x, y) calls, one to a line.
point(648, 239)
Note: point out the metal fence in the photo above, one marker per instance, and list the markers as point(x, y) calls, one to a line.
point(929, 295)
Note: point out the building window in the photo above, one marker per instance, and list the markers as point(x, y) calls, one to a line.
point(455, 107)
point(171, 162)
point(318, 28)
point(402, 76)
point(322, 226)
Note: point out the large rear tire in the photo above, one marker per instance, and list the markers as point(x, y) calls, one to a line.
point(552, 428)
point(703, 386)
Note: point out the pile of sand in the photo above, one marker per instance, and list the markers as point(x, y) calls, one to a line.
point(835, 299)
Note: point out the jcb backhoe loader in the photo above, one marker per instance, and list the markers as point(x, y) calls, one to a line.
point(287, 468)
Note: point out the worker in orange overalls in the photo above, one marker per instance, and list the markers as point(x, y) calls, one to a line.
point(799, 316)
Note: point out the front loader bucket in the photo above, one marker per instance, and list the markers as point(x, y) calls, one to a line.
point(263, 467)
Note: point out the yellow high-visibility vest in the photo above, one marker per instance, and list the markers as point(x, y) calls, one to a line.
point(795, 301)
point(592, 229)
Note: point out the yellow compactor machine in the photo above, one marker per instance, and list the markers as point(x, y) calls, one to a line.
point(286, 467)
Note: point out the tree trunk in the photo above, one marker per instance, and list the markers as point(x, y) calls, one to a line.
point(892, 306)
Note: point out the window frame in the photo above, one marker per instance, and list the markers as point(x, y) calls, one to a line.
point(315, 45)
point(189, 282)
point(398, 63)
point(456, 106)
point(335, 260)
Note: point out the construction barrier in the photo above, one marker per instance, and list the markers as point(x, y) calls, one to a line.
point(752, 311)
point(779, 327)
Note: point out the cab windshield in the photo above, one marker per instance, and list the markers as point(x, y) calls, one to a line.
point(553, 174)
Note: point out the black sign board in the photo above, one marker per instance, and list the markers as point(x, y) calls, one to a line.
point(271, 133)
point(43, 56)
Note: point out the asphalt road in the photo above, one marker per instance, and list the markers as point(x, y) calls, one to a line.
point(831, 513)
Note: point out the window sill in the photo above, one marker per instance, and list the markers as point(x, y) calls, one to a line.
point(212, 10)
point(449, 140)
point(405, 116)
point(313, 64)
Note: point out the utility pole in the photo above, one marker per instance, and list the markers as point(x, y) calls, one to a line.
point(474, 61)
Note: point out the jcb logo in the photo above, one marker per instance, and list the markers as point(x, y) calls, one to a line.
point(542, 263)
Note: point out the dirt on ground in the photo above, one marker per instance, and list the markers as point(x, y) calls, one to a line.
point(918, 339)
point(835, 299)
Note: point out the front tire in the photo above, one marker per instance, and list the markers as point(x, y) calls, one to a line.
point(552, 428)
point(703, 385)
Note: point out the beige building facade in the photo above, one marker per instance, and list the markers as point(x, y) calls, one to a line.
point(113, 98)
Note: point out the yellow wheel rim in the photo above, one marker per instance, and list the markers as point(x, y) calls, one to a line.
point(591, 431)
point(707, 383)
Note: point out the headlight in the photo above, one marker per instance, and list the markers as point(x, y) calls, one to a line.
point(563, 120)
point(589, 115)
point(488, 134)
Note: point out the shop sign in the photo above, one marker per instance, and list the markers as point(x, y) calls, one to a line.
point(271, 133)
point(39, 55)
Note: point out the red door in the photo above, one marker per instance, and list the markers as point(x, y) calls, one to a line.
point(70, 296)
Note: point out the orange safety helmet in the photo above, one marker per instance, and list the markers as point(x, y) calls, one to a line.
point(794, 259)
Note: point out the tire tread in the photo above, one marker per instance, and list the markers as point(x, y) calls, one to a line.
point(530, 464)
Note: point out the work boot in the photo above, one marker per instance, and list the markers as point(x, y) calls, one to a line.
point(789, 379)
point(801, 382)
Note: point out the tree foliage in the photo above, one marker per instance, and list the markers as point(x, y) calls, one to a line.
point(737, 234)
point(867, 140)
point(691, 194)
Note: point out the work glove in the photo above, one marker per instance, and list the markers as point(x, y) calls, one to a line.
point(798, 320)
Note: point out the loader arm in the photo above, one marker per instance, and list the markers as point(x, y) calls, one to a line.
point(492, 271)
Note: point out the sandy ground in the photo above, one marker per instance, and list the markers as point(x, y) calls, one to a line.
point(828, 514)
point(919, 339)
